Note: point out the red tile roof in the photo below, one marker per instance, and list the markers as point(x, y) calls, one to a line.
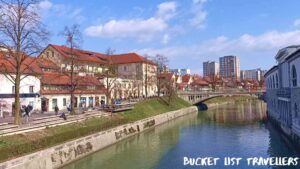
point(89, 56)
point(28, 66)
point(47, 63)
point(186, 78)
point(166, 75)
point(199, 82)
point(50, 78)
point(129, 58)
point(82, 55)
point(50, 92)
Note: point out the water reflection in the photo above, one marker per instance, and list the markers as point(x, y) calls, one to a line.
point(242, 112)
point(232, 130)
point(138, 152)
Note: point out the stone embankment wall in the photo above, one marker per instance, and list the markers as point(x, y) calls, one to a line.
point(63, 154)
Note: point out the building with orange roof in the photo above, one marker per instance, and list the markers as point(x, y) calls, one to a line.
point(29, 86)
point(130, 69)
point(56, 89)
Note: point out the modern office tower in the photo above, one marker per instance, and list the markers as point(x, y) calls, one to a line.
point(211, 69)
point(230, 67)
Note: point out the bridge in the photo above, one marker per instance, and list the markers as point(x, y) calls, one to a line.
point(195, 97)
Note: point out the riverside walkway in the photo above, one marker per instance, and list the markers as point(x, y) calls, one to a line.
point(42, 121)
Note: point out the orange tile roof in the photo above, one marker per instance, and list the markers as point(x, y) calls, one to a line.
point(46, 63)
point(82, 55)
point(28, 66)
point(129, 58)
point(199, 82)
point(51, 78)
point(186, 78)
point(50, 92)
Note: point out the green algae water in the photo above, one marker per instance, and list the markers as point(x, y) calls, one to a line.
point(232, 130)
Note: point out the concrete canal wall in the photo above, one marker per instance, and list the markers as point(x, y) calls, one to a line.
point(58, 156)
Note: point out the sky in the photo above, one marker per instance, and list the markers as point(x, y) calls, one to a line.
point(187, 32)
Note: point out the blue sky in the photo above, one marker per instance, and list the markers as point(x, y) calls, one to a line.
point(188, 32)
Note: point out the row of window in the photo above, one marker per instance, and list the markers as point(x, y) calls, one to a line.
point(273, 81)
point(31, 89)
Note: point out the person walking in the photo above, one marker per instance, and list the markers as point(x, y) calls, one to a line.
point(56, 109)
point(1, 111)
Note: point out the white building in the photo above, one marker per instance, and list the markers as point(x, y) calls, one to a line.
point(29, 86)
point(254, 74)
point(283, 92)
point(181, 72)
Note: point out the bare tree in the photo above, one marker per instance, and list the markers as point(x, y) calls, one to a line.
point(110, 75)
point(21, 35)
point(161, 62)
point(73, 40)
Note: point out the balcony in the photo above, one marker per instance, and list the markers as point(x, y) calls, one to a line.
point(285, 92)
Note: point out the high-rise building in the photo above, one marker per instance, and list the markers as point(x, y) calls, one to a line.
point(254, 74)
point(230, 67)
point(181, 71)
point(211, 69)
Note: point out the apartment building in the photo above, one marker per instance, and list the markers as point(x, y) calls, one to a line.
point(230, 67)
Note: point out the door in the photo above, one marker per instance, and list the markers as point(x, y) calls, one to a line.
point(45, 104)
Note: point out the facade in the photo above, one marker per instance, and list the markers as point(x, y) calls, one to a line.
point(56, 91)
point(29, 86)
point(181, 71)
point(230, 67)
point(283, 92)
point(131, 68)
point(254, 74)
point(84, 62)
point(137, 72)
point(211, 69)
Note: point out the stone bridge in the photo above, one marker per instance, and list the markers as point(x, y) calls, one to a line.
point(195, 97)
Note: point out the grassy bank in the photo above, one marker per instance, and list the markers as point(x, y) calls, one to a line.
point(229, 99)
point(21, 144)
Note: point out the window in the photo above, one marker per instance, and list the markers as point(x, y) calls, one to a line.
point(54, 103)
point(64, 102)
point(277, 84)
point(13, 90)
point(31, 89)
point(294, 76)
point(273, 82)
point(296, 110)
point(48, 54)
point(53, 54)
point(125, 68)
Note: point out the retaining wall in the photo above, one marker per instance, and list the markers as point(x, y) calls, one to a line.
point(58, 156)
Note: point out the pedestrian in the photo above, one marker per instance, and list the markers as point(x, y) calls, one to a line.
point(26, 114)
point(56, 109)
point(1, 111)
point(63, 115)
point(102, 102)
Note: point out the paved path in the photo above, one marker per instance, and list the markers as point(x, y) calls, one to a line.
point(41, 121)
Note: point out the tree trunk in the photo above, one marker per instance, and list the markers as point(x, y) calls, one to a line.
point(72, 104)
point(17, 99)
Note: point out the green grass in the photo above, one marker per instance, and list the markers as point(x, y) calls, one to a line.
point(229, 99)
point(21, 144)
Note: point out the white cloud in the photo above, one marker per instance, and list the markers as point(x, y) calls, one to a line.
point(166, 39)
point(199, 13)
point(142, 29)
point(253, 50)
point(166, 10)
point(45, 5)
point(297, 22)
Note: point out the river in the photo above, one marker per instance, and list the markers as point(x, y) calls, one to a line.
point(232, 130)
